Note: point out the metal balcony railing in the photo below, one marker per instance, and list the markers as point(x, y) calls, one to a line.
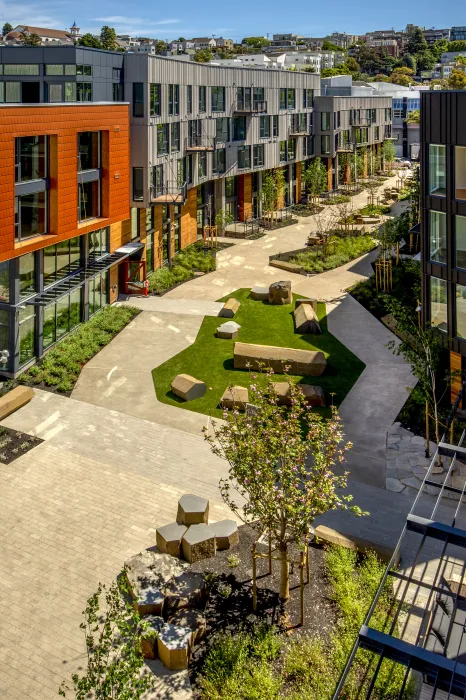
point(345, 147)
point(250, 106)
point(360, 121)
point(200, 143)
point(170, 193)
point(298, 129)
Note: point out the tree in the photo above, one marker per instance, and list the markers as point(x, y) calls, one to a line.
point(400, 79)
point(160, 46)
point(457, 80)
point(416, 42)
point(181, 38)
point(381, 77)
point(425, 60)
point(414, 117)
point(369, 60)
point(328, 46)
point(272, 190)
point(256, 42)
point(409, 61)
point(438, 48)
point(31, 39)
point(352, 64)
point(222, 219)
point(388, 153)
point(458, 45)
point(308, 69)
point(269, 469)
point(108, 38)
point(90, 41)
point(203, 56)
point(330, 72)
point(7, 28)
point(114, 654)
point(315, 178)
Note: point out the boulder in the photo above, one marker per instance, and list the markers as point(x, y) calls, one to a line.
point(252, 410)
point(174, 646)
point(306, 320)
point(169, 538)
point(149, 629)
point(185, 591)
point(358, 544)
point(192, 510)
point(230, 307)
point(302, 362)
point(226, 533)
point(147, 574)
point(280, 293)
point(228, 330)
point(193, 619)
point(198, 543)
point(312, 302)
point(14, 399)
point(260, 293)
point(235, 397)
point(315, 395)
point(188, 388)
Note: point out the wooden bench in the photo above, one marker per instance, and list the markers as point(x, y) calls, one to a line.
point(14, 399)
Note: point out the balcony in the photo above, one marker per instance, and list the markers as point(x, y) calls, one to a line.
point(360, 121)
point(250, 107)
point(297, 129)
point(345, 147)
point(170, 193)
point(194, 144)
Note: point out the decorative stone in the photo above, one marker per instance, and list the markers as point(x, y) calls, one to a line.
point(252, 410)
point(394, 485)
point(149, 601)
point(185, 591)
point(147, 574)
point(149, 629)
point(193, 619)
point(302, 362)
point(260, 293)
point(280, 293)
point(228, 330)
point(192, 510)
point(230, 307)
point(314, 394)
point(188, 388)
point(226, 533)
point(235, 397)
point(358, 544)
point(169, 538)
point(312, 302)
point(198, 543)
point(174, 646)
point(305, 319)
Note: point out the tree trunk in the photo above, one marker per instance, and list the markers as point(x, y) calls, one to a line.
point(284, 575)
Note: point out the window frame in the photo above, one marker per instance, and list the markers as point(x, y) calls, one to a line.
point(217, 104)
point(155, 99)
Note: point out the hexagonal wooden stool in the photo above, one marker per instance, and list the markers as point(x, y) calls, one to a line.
point(174, 645)
point(226, 533)
point(169, 538)
point(192, 510)
point(198, 543)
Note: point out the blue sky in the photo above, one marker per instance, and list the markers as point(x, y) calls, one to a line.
point(241, 18)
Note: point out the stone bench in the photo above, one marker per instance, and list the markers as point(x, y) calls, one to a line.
point(230, 307)
point(314, 394)
point(305, 319)
point(226, 533)
point(287, 266)
point(260, 293)
point(188, 388)
point(228, 330)
point(192, 510)
point(280, 293)
point(198, 543)
point(168, 538)
point(310, 363)
point(312, 302)
point(174, 646)
point(14, 399)
point(357, 544)
point(235, 397)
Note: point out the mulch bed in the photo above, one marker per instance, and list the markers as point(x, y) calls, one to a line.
point(230, 600)
point(14, 444)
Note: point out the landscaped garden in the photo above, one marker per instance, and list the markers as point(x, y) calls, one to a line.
point(336, 251)
point(210, 359)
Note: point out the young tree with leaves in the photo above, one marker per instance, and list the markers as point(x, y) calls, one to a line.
point(280, 493)
point(7, 28)
point(222, 219)
point(272, 190)
point(90, 41)
point(114, 655)
point(108, 38)
point(388, 153)
point(315, 178)
point(31, 39)
point(203, 56)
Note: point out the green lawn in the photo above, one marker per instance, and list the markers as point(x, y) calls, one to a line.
point(211, 358)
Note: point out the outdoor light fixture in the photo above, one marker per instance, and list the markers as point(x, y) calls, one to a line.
point(4, 355)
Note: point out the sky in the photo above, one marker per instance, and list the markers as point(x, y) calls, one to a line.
point(233, 20)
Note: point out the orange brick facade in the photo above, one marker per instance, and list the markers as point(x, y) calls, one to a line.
point(62, 125)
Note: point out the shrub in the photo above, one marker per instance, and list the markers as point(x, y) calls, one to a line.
point(342, 250)
point(374, 210)
point(338, 199)
point(191, 259)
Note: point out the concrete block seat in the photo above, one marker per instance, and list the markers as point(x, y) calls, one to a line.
point(147, 574)
point(198, 543)
point(174, 645)
point(193, 619)
point(228, 330)
point(185, 591)
point(192, 510)
point(230, 307)
point(169, 538)
point(287, 266)
point(235, 397)
point(306, 320)
point(314, 394)
point(312, 302)
point(303, 362)
point(260, 293)
point(188, 388)
point(280, 293)
point(226, 533)
point(15, 399)
point(149, 631)
point(358, 544)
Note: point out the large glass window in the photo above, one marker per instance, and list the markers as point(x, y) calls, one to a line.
point(325, 121)
point(138, 184)
point(437, 170)
point(27, 275)
point(219, 161)
point(155, 103)
point(88, 150)
point(202, 165)
point(89, 200)
point(264, 127)
point(230, 187)
point(275, 125)
point(138, 99)
point(202, 98)
point(31, 158)
point(54, 69)
point(325, 144)
point(26, 334)
point(461, 311)
point(20, 69)
point(173, 99)
point(98, 243)
point(218, 99)
point(98, 293)
point(5, 281)
point(460, 172)
point(460, 240)
point(244, 157)
point(150, 252)
point(222, 129)
point(61, 259)
point(438, 237)
point(258, 155)
point(291, 98)
point(162, 139)
point(291, 149)
point(30, 215)
point(282, 98)
point(10, 92)
point(243, 97)
point(83, 70)
point(239, 128)
point(438, 303)
point(189, 99)
point(83, 92)
point(282, 151)
point(308, 95)
point(175, 136)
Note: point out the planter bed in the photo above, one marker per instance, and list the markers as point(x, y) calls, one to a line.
point(308, 258)
point(14, 444)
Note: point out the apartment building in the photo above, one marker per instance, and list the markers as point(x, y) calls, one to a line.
point(443, 219)
point(433, 35)
point(458, 33)
point(345, 125)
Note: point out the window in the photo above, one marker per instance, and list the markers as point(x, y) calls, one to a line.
point(258, 97)
point(89, 200)
point(20, 69)
point(70, 69)
point(98, 243)
point(60, 318)
point(202, 165)
point(54, 69)
point(30, 215)
point(175, 137)
point(244, 157)
point(55, 92)
point(218, 99)
point(88, 150)
point(460, 311)
point(138, 184)
point(291, 149)
point(83, 92)
point(437, 170)
point(26, 334)
point(438, 237)
point(336, 120)
point(5, 281)
point(27, 275)
point(118, 95)
point(155, 101)
point(460, 242)
point(31, 158)
point(258, 155)
point(325, 121)
point(243, 98)
point(219, 161)
point(373, 113)
point(189, 98)
point(149, 219)
point(460, 172)
point(308, 149)
point(157, 179)
point(388, 114)
point(173, 99)
point(202, 98)
point(162, 139)
point(177, 227)
point(150, 252)
point(438, 303)
point(230, 187)
point(61, 259)
point(239, 128)
point(83, 70)
point(116, 73)
point(398, 113)
point(291, 98)
point(166, 234)
point(189, 169)
point(325, 144)
point(282, 98)
point(275, 125)
point(376, 133)
point(387, 131)
point(361, 134)
point(138, 99)
point(264, 127)
point(134, 221)
point(282, 151)
point(308, 97)
point(10, 92)
point(98, 293)
point(221, 129)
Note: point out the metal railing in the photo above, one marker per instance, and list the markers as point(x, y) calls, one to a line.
point(360, 121)
point(200, 142)
point(347, 147)
point(250, 106)
point(172, 192)
point(298, 129)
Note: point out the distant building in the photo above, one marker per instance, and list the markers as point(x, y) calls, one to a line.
point(200, 44)
point(388, 46)
point(47, 36)
point(458, 34)
point(433, 35)
point(342, 39)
